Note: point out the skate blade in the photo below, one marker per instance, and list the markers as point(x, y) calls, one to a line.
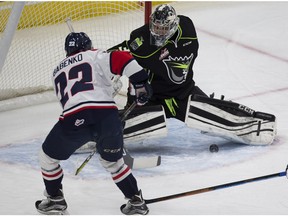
point(65, 212)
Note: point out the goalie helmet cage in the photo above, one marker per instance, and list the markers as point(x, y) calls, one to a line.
point(32, 47)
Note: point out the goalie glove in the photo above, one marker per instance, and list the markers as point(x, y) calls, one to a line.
point(143, 92)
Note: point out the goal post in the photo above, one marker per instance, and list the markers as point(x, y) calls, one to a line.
point(38, 42)
point(10, 29)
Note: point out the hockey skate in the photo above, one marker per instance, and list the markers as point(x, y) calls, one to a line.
point(136, 205)
point(52, 205)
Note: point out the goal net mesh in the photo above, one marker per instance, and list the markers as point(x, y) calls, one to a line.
point(38, 43)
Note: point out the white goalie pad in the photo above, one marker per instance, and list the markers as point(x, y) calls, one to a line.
point(231, 121)
point(142, 123)
point(145, 123)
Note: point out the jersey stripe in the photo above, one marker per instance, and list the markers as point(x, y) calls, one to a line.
point(52, 174)
point(122, 174)
point(88, 105)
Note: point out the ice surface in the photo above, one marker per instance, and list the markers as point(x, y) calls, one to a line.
point(243, 55)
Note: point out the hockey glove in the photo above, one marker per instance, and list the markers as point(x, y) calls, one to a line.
point(143, 92)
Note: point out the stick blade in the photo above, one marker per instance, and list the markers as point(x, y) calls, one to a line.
point(147, 162)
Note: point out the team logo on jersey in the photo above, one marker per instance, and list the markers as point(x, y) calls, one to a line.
point(164, 53)
point(135, 44)
point(185, 44)
point(178, 67)
point(79, 122)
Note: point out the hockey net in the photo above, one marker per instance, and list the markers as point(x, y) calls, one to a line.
point(38, 42)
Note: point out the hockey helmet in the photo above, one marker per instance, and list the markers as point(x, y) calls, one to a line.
point(77, 42)
point(163, 24)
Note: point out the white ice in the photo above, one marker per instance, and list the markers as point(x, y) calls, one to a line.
point(243, 55)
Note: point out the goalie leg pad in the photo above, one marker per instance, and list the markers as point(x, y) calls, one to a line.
point(145, 122)
point(231, 120)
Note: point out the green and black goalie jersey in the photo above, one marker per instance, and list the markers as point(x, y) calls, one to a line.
point(170, 66)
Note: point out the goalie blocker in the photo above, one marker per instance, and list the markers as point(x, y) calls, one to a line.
point(230, 120)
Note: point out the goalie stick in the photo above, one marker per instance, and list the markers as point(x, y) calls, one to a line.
point(129, 160)
point(217, 187)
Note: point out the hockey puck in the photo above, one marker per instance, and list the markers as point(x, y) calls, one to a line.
point(213, 148)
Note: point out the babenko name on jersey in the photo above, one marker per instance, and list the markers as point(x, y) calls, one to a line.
point(68, 61)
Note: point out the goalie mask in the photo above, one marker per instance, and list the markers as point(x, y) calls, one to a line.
point(163, 24)
point(77, 42)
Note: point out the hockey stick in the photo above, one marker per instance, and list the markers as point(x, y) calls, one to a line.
point(78, 170)
point(69, 24)
point(128, 111)
point(140, 163)
point(217, 187)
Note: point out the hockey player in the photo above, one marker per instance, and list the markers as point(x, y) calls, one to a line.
point(167, 48)
point(82, 83)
